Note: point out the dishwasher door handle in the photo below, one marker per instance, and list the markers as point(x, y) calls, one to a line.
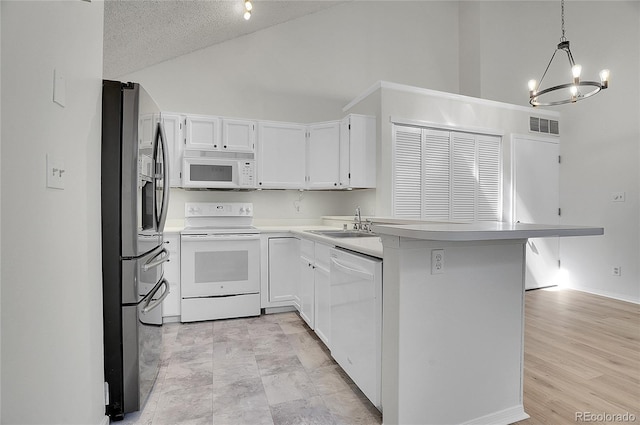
point(351, 271)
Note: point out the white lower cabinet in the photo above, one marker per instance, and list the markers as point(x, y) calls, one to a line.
point(322, 300)
point(282, 274)
point(315, 288)
point(171, 304)
point(306, 286)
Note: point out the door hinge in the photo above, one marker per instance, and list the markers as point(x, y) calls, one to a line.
point(349, 126)
point(559, 159)
point(349, 175)
point(559, 264)
point(559, 211)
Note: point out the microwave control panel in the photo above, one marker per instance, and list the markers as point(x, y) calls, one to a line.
point(246, 169)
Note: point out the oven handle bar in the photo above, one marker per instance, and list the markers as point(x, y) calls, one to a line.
point(215, 238)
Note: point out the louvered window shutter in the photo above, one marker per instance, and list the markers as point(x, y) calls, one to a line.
point(436, 181)
point(489, 181)
point(443, 175)
point(407, 191)
point(463, 176)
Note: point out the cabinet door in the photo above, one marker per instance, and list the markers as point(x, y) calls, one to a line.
point(322, 301)
point(281, 158)
point(437, 186)
point(322, 279)
point(175, 141)
point(203, 133)
point(171, 304)
point(361, 131)
point(307, 290)
point(238, 135)
point(323, 156)
point(284, 275)
point(407, 172)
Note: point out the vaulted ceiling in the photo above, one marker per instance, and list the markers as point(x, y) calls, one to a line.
point(141, 33)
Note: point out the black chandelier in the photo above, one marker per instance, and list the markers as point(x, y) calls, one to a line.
point(574, 90)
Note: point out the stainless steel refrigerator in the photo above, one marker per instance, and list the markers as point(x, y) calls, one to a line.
point(135, 196)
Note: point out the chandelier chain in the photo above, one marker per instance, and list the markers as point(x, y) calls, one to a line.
point(562, 16)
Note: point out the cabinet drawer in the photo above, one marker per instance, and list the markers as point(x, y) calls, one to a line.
point(306, 248)
point(322, 255)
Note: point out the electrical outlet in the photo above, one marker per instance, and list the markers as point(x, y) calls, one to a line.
point(616, 271)
point(437, 261)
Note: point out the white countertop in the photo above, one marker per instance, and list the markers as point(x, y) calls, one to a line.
point(370, 245)
point(482, 231)
point(438, 231)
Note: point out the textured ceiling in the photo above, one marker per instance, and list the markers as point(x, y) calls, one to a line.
point(140, 33)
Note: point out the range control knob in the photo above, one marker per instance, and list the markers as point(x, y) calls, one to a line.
point(248, 211)
point(241, 210)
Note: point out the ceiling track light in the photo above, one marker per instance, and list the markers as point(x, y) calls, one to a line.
point(577, 88)
point(248, 6)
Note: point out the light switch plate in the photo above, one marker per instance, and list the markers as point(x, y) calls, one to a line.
point(55, 172)
point(618, 196)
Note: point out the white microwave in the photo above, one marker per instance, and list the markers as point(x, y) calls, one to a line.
point(218, 173)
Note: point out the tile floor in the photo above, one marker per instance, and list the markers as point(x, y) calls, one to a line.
point(270, 370)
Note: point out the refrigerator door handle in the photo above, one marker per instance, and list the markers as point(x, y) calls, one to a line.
point(165, 179)
point(151, 303)
point(156, 260)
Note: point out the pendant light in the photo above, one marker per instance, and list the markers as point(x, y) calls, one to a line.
point(572, 91)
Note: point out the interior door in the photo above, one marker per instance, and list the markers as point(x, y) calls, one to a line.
point(536, 199)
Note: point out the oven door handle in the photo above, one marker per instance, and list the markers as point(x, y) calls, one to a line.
point(215, 238)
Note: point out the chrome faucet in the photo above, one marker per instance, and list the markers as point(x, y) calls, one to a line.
point(358, 220)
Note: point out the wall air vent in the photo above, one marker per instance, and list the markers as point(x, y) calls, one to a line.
point(543, 125)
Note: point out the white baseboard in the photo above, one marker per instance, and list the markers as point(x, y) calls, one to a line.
point(502, 417)
point(605, 294)
point(104, 421)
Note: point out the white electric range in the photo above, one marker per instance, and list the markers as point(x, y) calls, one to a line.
point(220, 262)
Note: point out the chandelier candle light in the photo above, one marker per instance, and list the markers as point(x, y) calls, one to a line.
point(577, 89)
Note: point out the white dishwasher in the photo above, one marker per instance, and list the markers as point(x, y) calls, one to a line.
point(356, 318)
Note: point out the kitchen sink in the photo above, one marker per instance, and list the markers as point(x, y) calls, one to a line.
point(343, 233)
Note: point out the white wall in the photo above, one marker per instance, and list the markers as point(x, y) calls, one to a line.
point(600, 138)
point(307, 70)
point(285, 207)
point(52, 367)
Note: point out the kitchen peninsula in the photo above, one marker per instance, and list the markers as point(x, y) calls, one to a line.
point(453, 321)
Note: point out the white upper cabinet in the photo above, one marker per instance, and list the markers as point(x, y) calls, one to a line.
point(323, 153)
point(173, 124)
point(358, 152)
point(203, 133)
point(281, 155)
point(238, 135)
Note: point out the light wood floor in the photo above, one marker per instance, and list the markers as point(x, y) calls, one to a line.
point(582, 354)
